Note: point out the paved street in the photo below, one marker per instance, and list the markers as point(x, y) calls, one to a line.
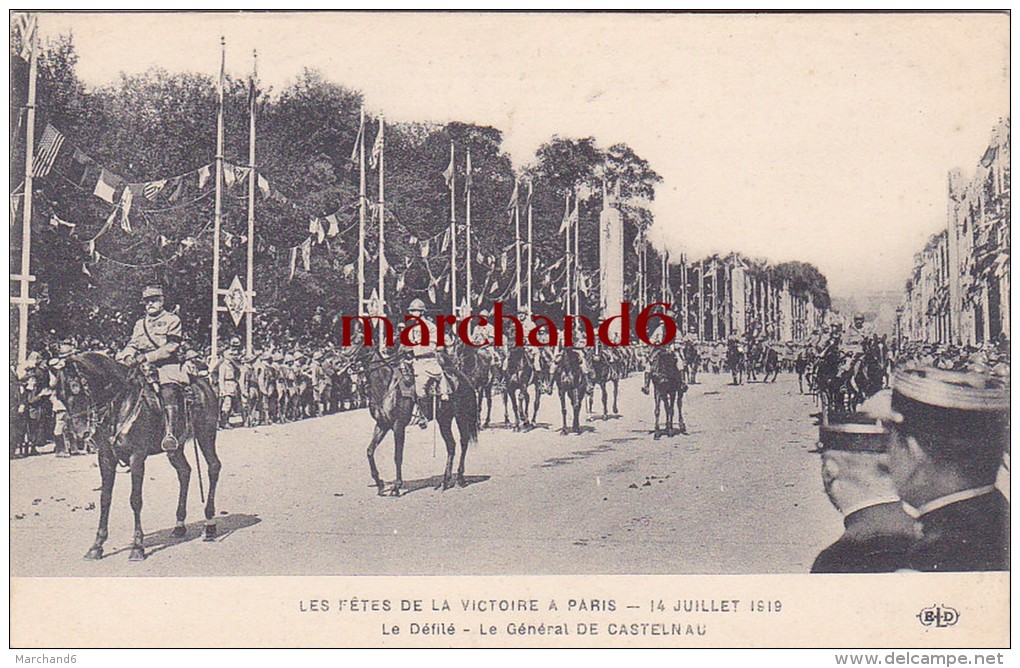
point(740, 494)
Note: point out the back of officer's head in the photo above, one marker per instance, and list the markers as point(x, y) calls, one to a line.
point(951, 423)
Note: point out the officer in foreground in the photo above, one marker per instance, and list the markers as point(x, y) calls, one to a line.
point(855, 472)
point(153, 345)
point(949, 430)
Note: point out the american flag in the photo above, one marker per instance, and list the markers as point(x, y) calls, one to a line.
point(46, 153)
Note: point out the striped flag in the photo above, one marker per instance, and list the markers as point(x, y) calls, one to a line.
point(46, 153)
point(377, 147)
point(449, 171)
point(152, 189)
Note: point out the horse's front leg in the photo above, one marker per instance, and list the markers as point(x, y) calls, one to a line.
point(137, 479)
point(377, 436)
point(578, 401)
point(180, 464)
point(108, 474)
point(616, 395)
point(538, 401)
point(445, 428)
point(658, 399)
point(563, 410)
point(680, 413)
point(605, 400)
point(398, 457)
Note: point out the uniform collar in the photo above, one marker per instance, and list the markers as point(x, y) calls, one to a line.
point(944, 501)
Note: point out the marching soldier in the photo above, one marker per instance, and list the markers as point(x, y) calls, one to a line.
point(153, 345)
point(228, 375)
point(949, 430)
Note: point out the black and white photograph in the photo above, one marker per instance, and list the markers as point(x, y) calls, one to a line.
point(385, 297)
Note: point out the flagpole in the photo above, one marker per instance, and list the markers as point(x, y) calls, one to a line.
point(218, 218)
point(531, 257)
point(566, 256)
point(469, 258)
point(363, 205)
point(453, 232)
point(517, 244)
point(701, 300)
point(684, 297)
point(577, 254)
point(23, 300)
point(250, 311)
point(382, 218)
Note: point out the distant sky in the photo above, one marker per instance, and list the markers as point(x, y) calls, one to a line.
point(822, 138)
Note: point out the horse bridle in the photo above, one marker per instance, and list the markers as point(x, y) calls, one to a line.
point(97, 416)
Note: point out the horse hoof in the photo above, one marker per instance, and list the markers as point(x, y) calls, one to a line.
point(94, 554)
point(395, 492)
point(137, 554)
point(210, 532)
point(461, 482)
point(657, 436)
point(180, 531)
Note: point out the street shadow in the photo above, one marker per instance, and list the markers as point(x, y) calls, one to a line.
point(164, 538)
point(585, 429)
point(411, 486)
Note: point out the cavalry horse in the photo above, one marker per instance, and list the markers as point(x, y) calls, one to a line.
point(768, 359)
point(479, 365)
point(124, 419)
point(391, 403)
point(735, 362)
point(541, 379)
point(606, 369)
point(519, 375)
point(668, 383)
point(571, 384)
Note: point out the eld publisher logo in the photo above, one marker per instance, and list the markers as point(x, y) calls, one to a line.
point(939, 616)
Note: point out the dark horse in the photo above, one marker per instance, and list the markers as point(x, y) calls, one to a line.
point(519, 374)
point(571, 383)
point(735, 361)
point(606, 369)
point(669, 385)
point(125, 421)
point(391, 404)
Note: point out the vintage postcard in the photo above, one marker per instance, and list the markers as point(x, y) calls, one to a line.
point(454, 329)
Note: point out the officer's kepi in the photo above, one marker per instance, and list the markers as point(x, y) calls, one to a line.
point(858, 432)
point(152, 292)
point(952, 405)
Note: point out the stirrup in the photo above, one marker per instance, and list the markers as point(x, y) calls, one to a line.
point(169, 443)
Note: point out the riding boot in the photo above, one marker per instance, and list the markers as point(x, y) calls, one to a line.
point(60, 447)
point(170, 443)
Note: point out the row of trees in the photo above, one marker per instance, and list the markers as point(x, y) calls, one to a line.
point(159, 124)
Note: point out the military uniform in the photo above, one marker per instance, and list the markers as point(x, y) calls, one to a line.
point(155, 341)
point(878, 532)
point(966, 531)
point(950, 430)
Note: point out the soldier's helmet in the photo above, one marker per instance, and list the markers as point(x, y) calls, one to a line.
point(417, 306)
point(235, 342)
point(152, 292)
